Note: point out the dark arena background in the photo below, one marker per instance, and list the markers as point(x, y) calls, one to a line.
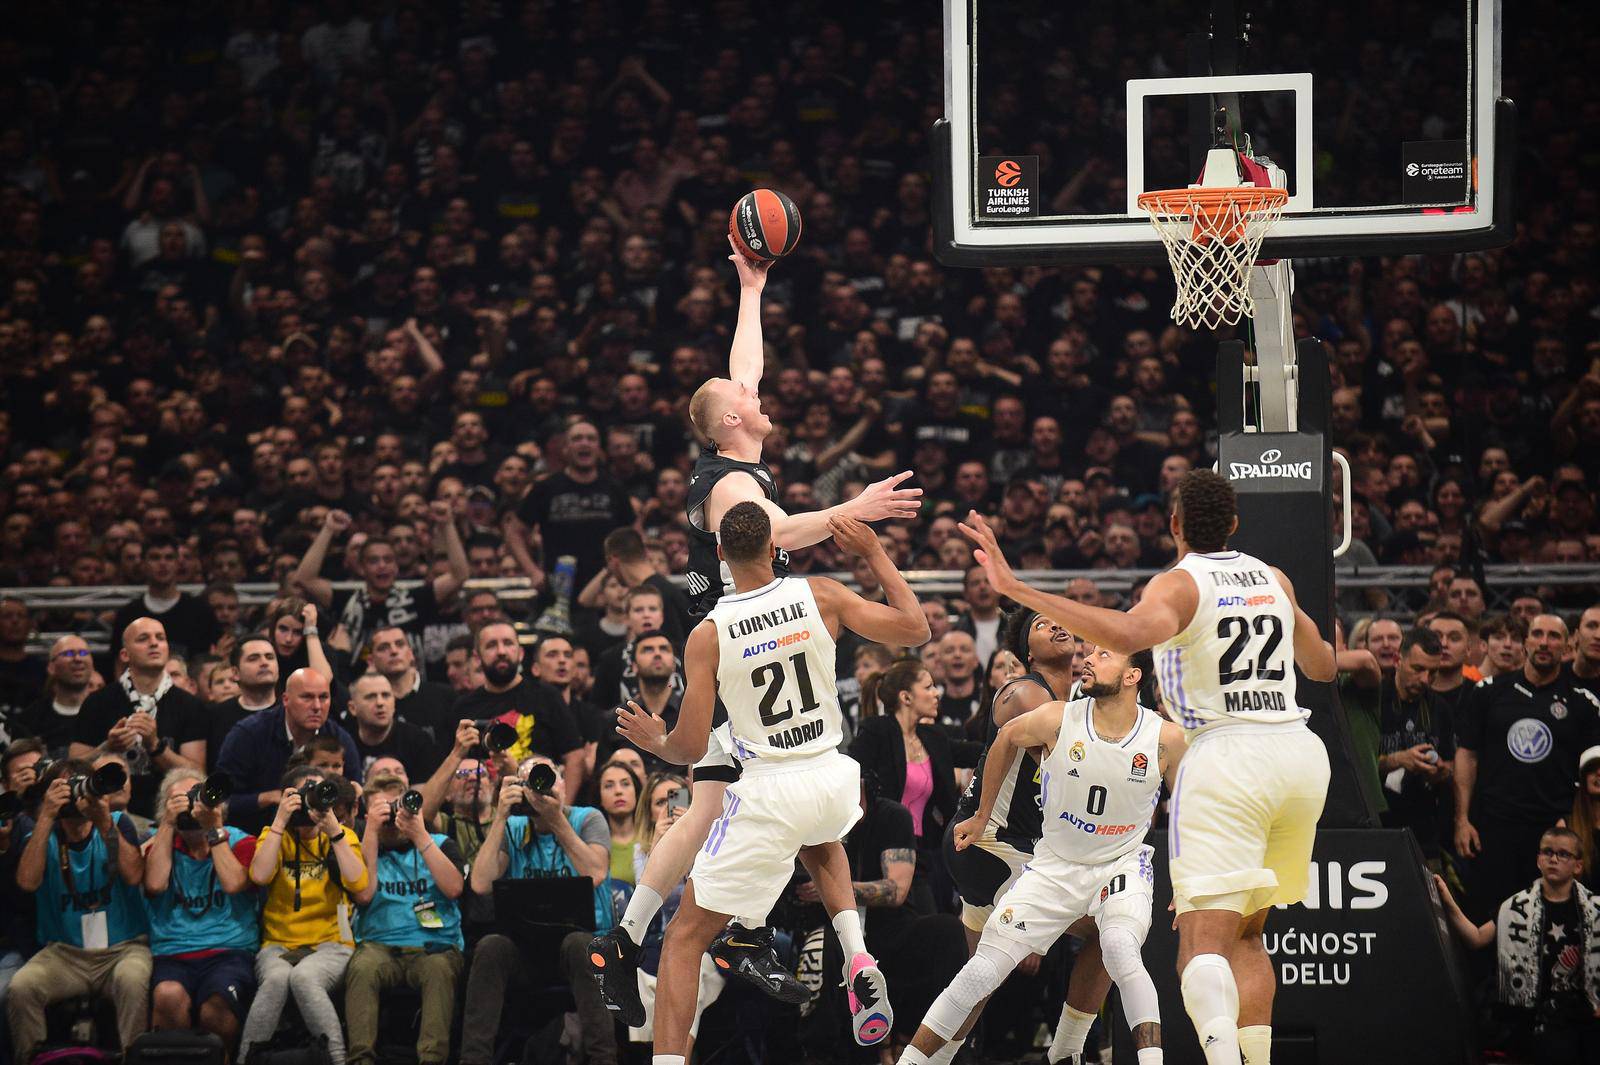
point(348, 487)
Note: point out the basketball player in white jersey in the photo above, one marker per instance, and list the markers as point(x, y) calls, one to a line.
point(767, 654)
point(726, 411)
point(1227, 634)
point(1103, 760)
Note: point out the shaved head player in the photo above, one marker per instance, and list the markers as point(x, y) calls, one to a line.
point(726, 412)
point(1227, 634)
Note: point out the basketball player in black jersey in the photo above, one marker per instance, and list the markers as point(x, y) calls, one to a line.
point(726, 413)
point(984, 871)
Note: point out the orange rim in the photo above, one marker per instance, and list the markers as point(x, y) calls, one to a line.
point(1185, 201)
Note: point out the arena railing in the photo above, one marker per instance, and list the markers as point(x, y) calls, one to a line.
point(1391, 591)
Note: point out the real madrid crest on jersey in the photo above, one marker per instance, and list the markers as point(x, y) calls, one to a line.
point(1076, 753)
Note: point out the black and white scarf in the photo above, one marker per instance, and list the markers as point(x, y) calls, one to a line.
point(138, 757)
point(1519, 940)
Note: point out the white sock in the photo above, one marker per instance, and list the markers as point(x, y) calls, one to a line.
point(1211, 998)
point(1255, 1043)
point(667, 1059)
point(947, 1053)
point(1149, 1056)
point(642, 909)
point(912, 1056)
point(848, 926)
point(1071, 1032)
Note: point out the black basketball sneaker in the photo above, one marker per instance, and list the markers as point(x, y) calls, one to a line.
point(614, 960)
point(749, 955)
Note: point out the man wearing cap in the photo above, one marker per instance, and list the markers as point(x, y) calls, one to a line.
point(1518, 736)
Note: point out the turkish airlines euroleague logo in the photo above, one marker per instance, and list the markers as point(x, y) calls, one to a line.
point(1007, 186)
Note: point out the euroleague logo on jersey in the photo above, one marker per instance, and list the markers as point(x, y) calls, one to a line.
point(1271, 464)
point(1141, 764)
point(1008, 173)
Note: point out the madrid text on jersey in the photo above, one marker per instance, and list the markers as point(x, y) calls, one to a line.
point(1243, 702)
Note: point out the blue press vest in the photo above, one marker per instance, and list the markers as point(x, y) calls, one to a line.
point(98, 886)
point(543, 857)
point(194, 913)
point(390, 918)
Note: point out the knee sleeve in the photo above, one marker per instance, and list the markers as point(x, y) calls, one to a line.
point(983, 973)
point(1121, 951)
point(1212, 999)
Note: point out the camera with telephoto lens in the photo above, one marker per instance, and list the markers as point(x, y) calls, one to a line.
point(541, 779)
point(318, 798)
point(107, 780)
point(211, 794)
point(411, 802)
point(495, 736)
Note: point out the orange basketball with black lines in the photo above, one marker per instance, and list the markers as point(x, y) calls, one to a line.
point(765, 224)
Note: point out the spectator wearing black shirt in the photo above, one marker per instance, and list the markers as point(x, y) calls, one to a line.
point(1416, 742)
point(379, 602)
point(625, 557)
point(1518, 741)
point(256, 661)
point(575, 509)
point(940, 419)
point(1585, 666)
point(427, 704)
point(379, 734)
point(21, 674)
point(187, 619)
point(655, 668)
point(1456, 637)
point(53, 716)
point(544, 724)
point(1545, 935)
point(959, 693)
point(144, 716)
point(614, 679)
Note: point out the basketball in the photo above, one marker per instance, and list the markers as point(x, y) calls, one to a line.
point(765, 224)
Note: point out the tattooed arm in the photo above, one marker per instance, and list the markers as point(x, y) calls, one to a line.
point(899, 864)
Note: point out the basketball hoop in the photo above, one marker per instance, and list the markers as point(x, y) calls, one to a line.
point(1212, 236)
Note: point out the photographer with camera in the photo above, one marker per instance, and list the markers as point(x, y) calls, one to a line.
point(461, 791)
point(312, 869)
point(202, 910)
point(82, 864)
point(409, 931)
point(17, 939)
point(257, 749)
point(535, 836)
point(143, 716)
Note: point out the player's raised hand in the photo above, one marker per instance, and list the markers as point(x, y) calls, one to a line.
point(987, 553)
point(854, 537)
point(886, 499)
point(752, 272)
point(640, 727)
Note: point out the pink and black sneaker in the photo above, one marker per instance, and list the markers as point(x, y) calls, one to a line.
point(871, 1016)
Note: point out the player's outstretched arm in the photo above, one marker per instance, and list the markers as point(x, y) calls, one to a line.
point(1036, 728)
point(884, 499)
point(747, 357)
point(687, 742)
point(1312, 653)
point(900, 622)
point(1167, 605)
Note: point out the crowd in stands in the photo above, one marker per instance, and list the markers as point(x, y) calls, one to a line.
point(374, 301)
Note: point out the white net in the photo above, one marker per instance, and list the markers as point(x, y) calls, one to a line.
point(1212, 237)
